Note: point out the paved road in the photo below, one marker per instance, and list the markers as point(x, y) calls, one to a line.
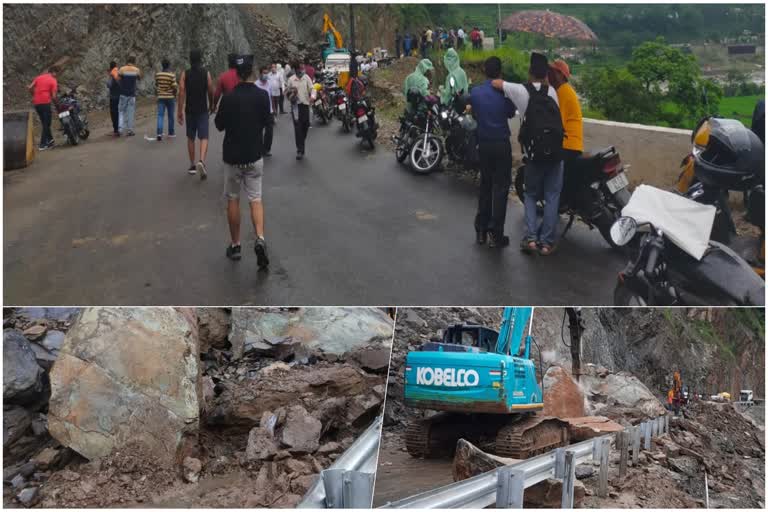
point(119, 222)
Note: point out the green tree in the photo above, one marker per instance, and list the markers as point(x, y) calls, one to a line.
point(619, 95)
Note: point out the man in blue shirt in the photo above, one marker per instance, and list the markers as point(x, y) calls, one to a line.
point(492, 110)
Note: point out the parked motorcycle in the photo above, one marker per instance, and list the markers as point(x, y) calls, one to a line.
point(74, 122)
point(459, 130)
point(675, 263)
point(726, 156)
point(365, 121)
point(594, 190)
point(320, 104)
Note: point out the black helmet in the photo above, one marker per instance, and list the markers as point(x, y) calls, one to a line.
point(730, 156)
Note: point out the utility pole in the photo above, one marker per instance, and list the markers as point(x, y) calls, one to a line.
point(351, 28)
point(498, 24)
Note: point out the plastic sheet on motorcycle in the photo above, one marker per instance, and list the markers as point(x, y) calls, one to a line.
point(686, 223)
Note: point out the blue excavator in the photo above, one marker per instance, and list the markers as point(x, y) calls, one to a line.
point(484, 384)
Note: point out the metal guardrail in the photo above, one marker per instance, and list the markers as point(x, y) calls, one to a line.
point(348, 482)
point(505, 486)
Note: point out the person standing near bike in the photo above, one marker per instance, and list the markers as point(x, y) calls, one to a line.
point(299, 92)
point(492, 110)
point(44, 89)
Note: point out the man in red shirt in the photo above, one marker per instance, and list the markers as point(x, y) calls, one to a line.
point(227, 81)
point(43, 90)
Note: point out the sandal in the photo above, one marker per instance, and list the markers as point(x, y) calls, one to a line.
point(528, 246)
point(546, 249)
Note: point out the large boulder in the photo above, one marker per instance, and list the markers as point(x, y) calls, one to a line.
point(22, 376)
point(325, 331)
point(605, 390)
point(563, 398)
point(214, 328)
point(126, 376)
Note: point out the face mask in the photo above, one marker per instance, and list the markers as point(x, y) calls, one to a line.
point(264, 78)
point(300, 73)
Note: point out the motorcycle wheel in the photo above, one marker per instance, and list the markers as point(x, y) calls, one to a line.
point(345, 124)
point(603, 224)
point(71, 133)
point(84, 133)
point(426, 164)
point(623, 296)
point(369, 140)
point(402, 150)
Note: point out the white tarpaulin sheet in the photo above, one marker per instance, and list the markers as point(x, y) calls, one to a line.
point(686, 223)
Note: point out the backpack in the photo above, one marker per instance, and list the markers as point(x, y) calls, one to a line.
point(541, 133)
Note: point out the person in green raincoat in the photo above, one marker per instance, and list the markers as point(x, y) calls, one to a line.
point(460, 82)
point(418, 80)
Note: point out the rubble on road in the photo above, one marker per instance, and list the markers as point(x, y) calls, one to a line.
point(267, 424)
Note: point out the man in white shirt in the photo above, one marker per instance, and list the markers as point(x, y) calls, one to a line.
point(276, 84)
point(264, 84)
point(543, 171)
point(460, 38)
point(299, 91)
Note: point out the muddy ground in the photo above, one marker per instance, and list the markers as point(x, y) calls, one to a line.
point(271, 420)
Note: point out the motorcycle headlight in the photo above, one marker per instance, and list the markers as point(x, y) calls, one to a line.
point(444, 114)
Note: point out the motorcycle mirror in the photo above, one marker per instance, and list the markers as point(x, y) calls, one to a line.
point(452, 81)
point(623, 230)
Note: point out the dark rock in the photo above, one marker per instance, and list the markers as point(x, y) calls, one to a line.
point(35, 332)
point(584, 471)
point(18, 482)
point(22, 376)
point(29, 496)
point(56, 314)
point(301, 433)
point(16, 421)
point(191, 469)
point(53, 340)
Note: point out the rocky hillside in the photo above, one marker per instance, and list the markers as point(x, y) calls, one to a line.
point(714, 349)
point(82, 39)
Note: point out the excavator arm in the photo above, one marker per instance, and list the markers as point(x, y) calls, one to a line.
point(576, 328)
point(513, 324)
point(328, 26)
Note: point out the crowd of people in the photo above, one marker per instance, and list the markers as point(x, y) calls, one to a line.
point(245, 106)
point(551, 133)
point(422, 43)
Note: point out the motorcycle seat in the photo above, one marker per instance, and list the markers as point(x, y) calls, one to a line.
point(595, 154)
point(721, 271)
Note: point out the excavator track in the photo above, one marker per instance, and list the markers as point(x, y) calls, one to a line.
point(531, 436)
point(417, 438)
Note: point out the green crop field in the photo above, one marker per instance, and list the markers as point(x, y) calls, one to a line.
point(739, 107)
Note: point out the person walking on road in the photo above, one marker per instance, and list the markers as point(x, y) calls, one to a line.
point(299, 92)
point(570, 109)
point(195, 98)
point(44, 89)
point(129, 76)
point(242, 116)
point(541, 137)
point(492, 110)
point(263, 84)
point(227, 81)
point(276, 85)
point(113, 86)
point(165, 89)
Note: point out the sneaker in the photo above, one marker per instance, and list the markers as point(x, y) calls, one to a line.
point(43, 148)
point(202, 170)
point(268, 153)
point(192, 169)
point(481, 237)
point(131, 133)
point(260, 248)
point(299, 155)
point(497, 242)
point(233, 252)
point(171, 135)
point(115, 134)
point(159, 138)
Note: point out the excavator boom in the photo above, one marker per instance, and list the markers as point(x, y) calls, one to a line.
point(328, 25)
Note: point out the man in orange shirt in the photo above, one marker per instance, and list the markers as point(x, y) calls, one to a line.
point(570, 110)
point(44, 89)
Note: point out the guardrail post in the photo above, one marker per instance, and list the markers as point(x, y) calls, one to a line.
point(510, 487)
point(347, 489)
point(605, 449)
point(660, 421)
point(635, 444)
point(560, 463)
point(666, 423)
point(623, 444)
point(569, 479)
point(646, 435)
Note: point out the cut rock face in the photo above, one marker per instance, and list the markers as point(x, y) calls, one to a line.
point(563, 398)
point(126, 376)
point(604, 389)
point(329, 331)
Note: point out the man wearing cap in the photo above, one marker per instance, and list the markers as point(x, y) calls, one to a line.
point(543, 177)
point(242, 116)
point(570, 110)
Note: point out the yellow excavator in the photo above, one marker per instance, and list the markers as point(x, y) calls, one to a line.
point(335, 57)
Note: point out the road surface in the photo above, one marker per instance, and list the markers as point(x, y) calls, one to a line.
point(120, 222)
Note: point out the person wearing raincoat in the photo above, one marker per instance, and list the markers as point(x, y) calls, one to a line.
point(418, 80)
point(460, 81)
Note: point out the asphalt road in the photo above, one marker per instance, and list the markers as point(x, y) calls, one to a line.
point(120, 222)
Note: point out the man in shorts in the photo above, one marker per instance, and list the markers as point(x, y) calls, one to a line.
point(195, 98)
point(243, 115)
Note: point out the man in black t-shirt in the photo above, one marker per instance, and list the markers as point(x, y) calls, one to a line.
point(242, 116)
point(195, 96)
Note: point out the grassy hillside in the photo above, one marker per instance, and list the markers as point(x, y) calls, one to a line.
point(739, 107)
